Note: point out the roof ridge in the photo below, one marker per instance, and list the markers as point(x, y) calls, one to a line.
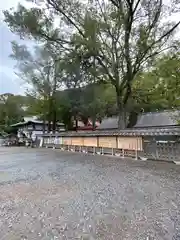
point(163, 111)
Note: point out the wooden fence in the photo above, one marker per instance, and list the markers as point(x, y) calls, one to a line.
point(124, 146)
point(144, 143)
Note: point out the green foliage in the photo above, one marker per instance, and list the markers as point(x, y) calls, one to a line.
point(93, 102)
point(109, 42)
point(10, 110)
point(159, 88)
point(98, 101)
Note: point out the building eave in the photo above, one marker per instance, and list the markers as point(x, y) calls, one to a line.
point(33, 122)
point(127, 132)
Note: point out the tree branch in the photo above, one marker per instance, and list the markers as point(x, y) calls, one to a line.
point(58, 9)
point(140, 59)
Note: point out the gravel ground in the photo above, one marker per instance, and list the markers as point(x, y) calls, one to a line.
point(47, 194)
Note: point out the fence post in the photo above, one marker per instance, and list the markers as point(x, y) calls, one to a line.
point(47, 142)
point(123, 152)
point(94, 151)
point(136, 152)
point(116, 142)
point(102, 151)
point(97, 141)
point(41, 142)
point(157, 152)
point(174, 152)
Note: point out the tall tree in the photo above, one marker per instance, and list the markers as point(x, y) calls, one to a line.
point(10, 111)
point(41, 71)
point(120, 38)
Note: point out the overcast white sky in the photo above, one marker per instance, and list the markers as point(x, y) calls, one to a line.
point(9, 82)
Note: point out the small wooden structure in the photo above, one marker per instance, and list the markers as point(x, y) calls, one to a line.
point(81, 126)
point(30, 128)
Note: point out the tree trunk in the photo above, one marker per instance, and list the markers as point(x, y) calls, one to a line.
point(94, 123)
point(121, 118)
point(44, 124)
point(50, 115)
point(54, 120)
point(133, 116)
point(76, 123)
point(49, 125)
point(121, 112)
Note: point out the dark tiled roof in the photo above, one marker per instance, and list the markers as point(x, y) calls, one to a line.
point(148, 124)
point(127, 132)
point(108, 123)
point(158, 119)
point(154, 119)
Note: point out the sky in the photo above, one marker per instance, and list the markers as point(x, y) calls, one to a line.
point(9, 82)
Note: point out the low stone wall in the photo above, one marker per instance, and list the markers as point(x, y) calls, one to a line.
point(124, 146)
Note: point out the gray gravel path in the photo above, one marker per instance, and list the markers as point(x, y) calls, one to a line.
point(47, 194)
